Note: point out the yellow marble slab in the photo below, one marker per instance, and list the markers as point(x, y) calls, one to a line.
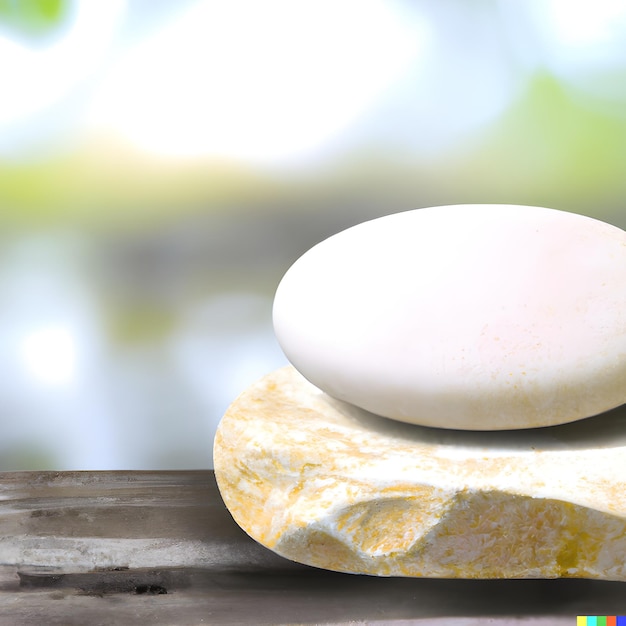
point(324, 483)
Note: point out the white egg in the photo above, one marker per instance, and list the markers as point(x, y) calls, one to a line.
point(477, 317)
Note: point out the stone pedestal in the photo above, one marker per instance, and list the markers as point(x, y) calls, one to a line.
point(321, 482)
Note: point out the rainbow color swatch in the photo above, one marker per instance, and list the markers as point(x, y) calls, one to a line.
point(601, 620)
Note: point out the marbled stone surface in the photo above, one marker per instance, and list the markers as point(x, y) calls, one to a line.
point(477, 317)
point(324, 483)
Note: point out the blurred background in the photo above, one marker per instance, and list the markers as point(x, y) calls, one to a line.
point(162, 163)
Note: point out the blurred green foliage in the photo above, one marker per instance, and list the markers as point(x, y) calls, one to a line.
point(554, 148)
point(132, 325)
point(33, 17)
point(27, 456)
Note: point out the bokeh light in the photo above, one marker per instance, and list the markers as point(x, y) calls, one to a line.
point(163, 163)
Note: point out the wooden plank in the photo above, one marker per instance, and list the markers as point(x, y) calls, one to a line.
point(160, 548)
point(81, 521)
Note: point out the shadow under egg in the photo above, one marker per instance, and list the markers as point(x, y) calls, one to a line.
point(606, 430)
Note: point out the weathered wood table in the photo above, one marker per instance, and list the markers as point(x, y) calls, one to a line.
point(160, 548)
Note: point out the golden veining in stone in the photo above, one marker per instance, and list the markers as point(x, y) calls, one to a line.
point(324, 483)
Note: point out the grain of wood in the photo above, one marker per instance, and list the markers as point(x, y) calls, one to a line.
point(161, 548)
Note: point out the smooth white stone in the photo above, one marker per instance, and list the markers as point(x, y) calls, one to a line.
point(478, 317)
